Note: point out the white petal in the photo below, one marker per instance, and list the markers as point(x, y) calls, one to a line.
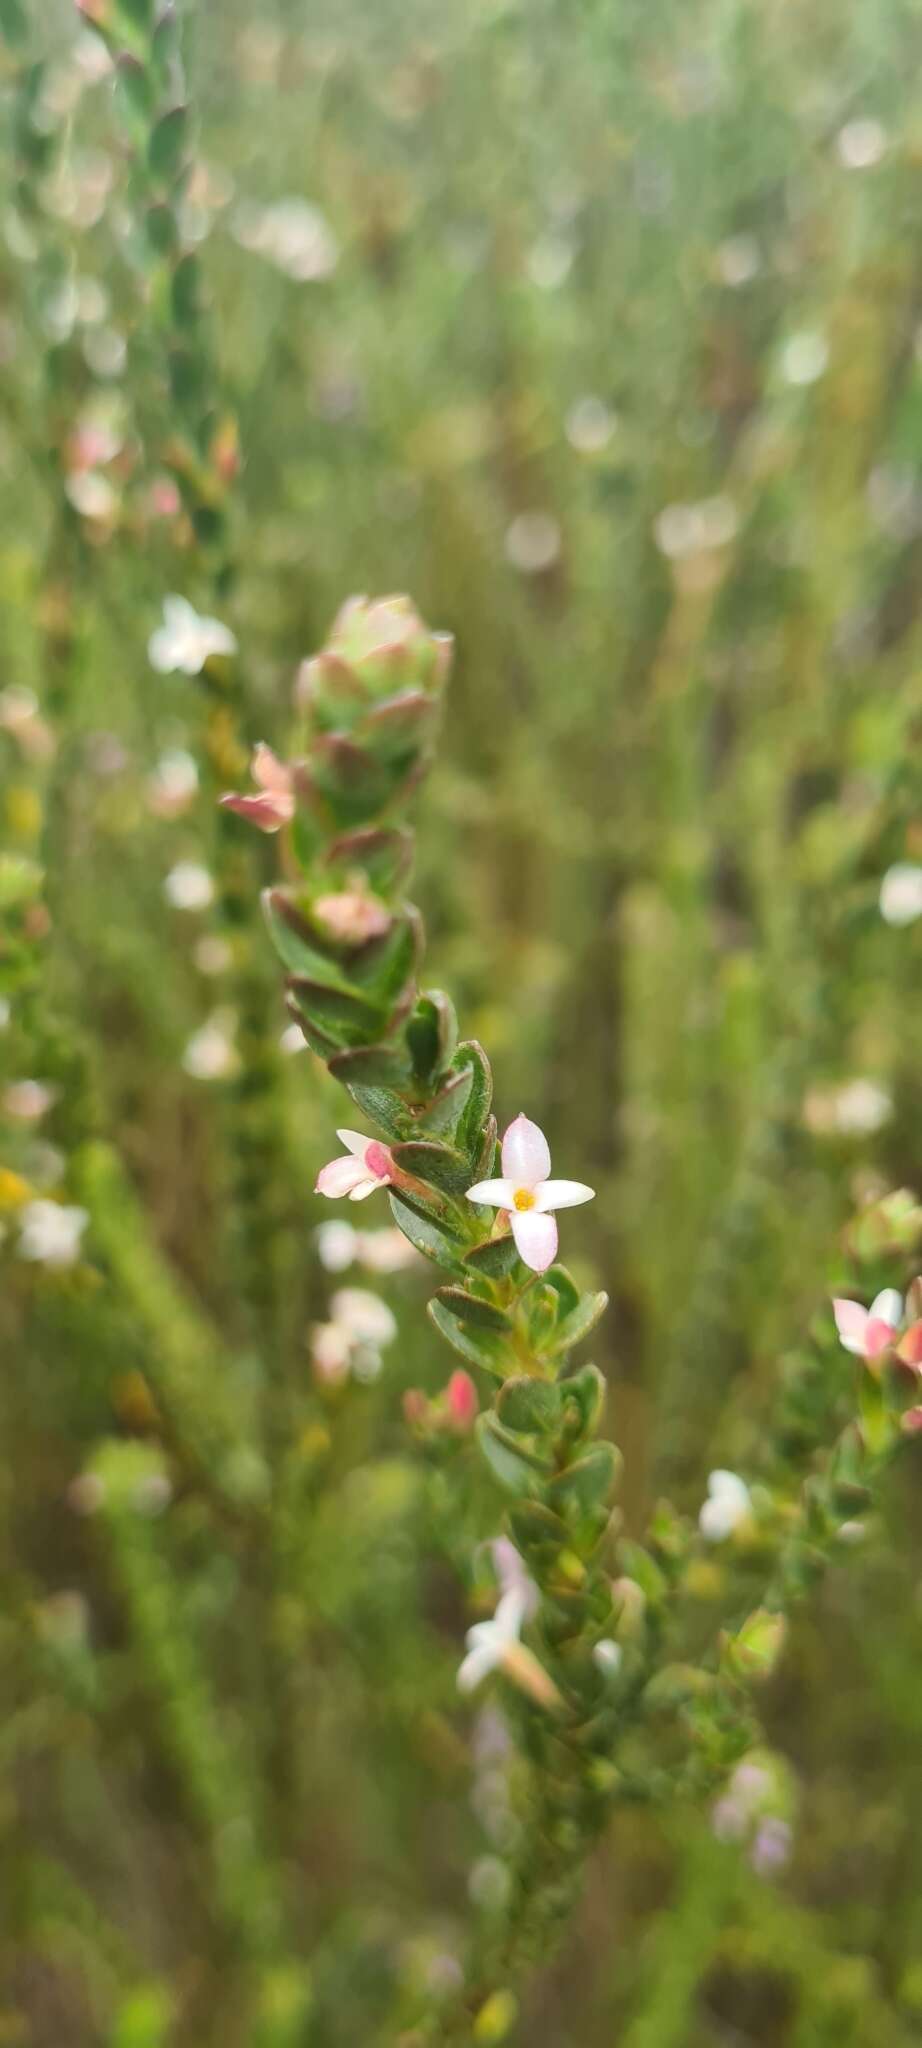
point(354, 1142)
point(526, 1158)
point(160, 650)
point(562, 1194)
point(499, 1193)
point(340, 1177)
point(852, 1324)
point(535, 1238)
point(887, 1307)
point(476, 1666)
point(716, 1520)
point(510, 1614)
point(731, 1491)
point(364, 1188)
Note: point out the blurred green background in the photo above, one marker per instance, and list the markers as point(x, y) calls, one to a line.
point(599, 329)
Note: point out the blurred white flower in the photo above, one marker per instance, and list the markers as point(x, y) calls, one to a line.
point(804, 357)
point(695, 529)
point(550, 261)
point(173, 783)
point(855, 1110)
point(185, 641)
point(589, 425)
point(292, 1040)
point(211, 1054)
point(861, 143)
point(386, 1251)
point(489, 1642)
point(27, 1101)
point(293, 235)
point(212, 954)
point(737, 260)
point(50, 1232)
point(607, 1654)
point(337, 1246)
point(533, 542)
point(365, 1317)
point(189, 886)
point(728, 1506)
point(901, 893)
point(91, 495)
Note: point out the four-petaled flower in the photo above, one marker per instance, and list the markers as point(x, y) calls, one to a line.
point(365, 1166)
point(527, 1194)
point(186, 641)
point(274, 806)
point(868, 1331)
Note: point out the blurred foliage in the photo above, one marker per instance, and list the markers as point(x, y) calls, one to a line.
point(602, 338)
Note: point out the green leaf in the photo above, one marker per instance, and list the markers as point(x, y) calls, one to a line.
point(480, 1347)
point(470, 1308)
point(537, 1532)
point(372, 1066)
point(161, 229)
point(380, 1105)
point(353, 782)
point(529, 1406)
point(496, 1257)
point(471, 1056)
point(541, 1306)
point(445, 1113)
point(579, 1322)
point(185, 291)
point(384, 854)
point(586, 1485)
point(588, 1390)
point(517, 1473)
point(427, 1236)
point(397, 730)
point(345, 1018)
point(384, 966)
point(565, 1289)
point(169, 144)
point(296, 944)
point(431, 1033)
point(437, 1165)
point(134, 94)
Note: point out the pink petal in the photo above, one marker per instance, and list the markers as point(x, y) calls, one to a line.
point(877, 1337)
point(354, 1141)
point(269, 772)
point(535, 1238)
point(562, 1194)
point(378, 1160)
point(268, 812)
point(910, 1350)
point(341, 1177)
point(526, 1158)
point(852, 1325)
point(499, 1193)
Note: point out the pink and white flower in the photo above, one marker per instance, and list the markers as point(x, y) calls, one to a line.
point(365, 1166)
point(274, 806)
point(527, 1194)
point(868, 1331)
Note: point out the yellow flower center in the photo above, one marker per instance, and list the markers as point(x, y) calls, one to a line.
point(523, 1198)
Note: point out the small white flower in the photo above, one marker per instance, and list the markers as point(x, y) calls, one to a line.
point(51, 1233)
point(489, 1642)
point(189, 886)
point(804, 357)
point(533, 542)
point(728, 1506)
point(527, 1194)
point(861, 144)
point(337, 1246)
point(27, 1101)
point(211, 1054)
point(185, 641)
point(364, 1317)
point(293, 235)
point(607, 1654)
point(173, 783)
point(901, 893)
point(292, 1040)
point(365, 1166)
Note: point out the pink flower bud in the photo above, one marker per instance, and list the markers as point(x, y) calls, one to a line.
point(463, 1405)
